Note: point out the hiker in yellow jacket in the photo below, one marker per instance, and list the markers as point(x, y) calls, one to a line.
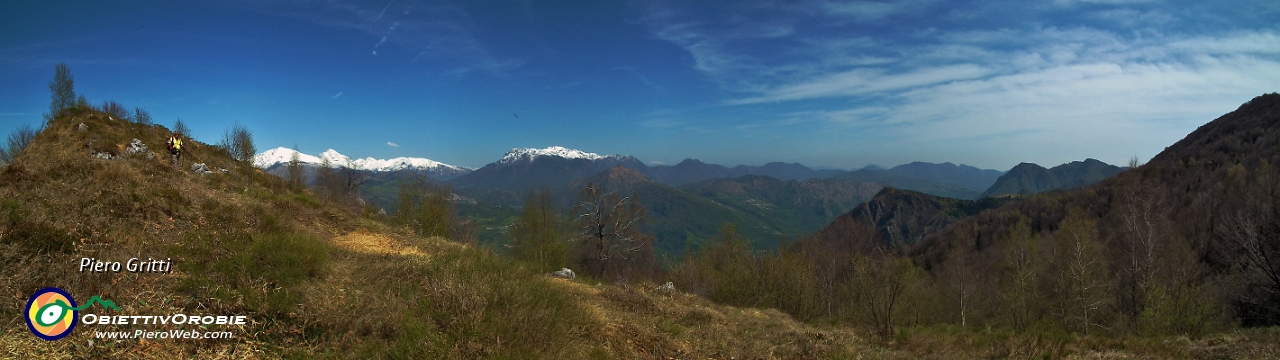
point(175, 147)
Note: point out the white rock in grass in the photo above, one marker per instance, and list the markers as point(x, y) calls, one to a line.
point(564, 273)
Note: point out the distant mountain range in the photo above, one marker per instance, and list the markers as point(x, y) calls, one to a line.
point(689, 201)
point(945, 179)
point(524, 169)
point(274, 160)
point(552, 167)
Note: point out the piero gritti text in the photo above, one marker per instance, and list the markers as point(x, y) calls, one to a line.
point(133, 265)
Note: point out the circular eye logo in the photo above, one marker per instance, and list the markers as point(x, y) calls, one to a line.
point(51, 314)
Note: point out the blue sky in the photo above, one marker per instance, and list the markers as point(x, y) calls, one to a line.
point(824, 83)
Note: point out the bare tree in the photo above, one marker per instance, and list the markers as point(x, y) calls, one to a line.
point(181, 128)
point(18, 141)
point(1084, 267)
point(294, 168)
point(1249, 229)
point(350, 181)
point(116, 110)
point(141, 116)
point(609, 222)
point(1020, 259)
point(959, 275)
point(238, 142)
point(881, 283)
point(62, 92)
point(325, 178)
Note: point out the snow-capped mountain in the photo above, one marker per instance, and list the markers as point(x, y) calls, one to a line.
point(528, 154)
point(550, 167)
point(435, 169)
point(280, 155)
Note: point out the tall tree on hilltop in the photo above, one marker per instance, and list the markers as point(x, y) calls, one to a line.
point(62, 92)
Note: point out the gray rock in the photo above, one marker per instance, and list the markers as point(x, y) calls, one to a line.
point(200, 168)
point(104, 155)
point(135, 147)
point(564, 273)
point(668, 287)
point(151, 155)
point(82, 127)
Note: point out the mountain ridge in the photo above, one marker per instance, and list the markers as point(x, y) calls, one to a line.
point(1029, 178)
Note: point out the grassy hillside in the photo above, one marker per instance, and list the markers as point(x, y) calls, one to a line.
point(316, 280)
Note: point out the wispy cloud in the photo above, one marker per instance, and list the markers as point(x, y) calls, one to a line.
point(394, 145)
point(439, 31)
point(384, 37)
point(335, 96)
point(960, 79)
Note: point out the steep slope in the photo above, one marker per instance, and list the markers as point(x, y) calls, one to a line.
point(1211, 194)
point(1027, 178)
point(903, 217)
point(796, 206)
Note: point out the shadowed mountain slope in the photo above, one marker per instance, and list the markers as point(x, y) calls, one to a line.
point(1214, 193)
point(904, 217)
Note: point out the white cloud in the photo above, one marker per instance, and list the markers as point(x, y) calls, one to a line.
point(394, 145)
point(866, 81)
point(335, 96)
point(1057, 93)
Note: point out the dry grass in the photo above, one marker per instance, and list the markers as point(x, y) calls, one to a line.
point(365, 242)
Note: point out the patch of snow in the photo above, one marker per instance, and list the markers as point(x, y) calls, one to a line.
point(282, 155)
point(528, 154)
